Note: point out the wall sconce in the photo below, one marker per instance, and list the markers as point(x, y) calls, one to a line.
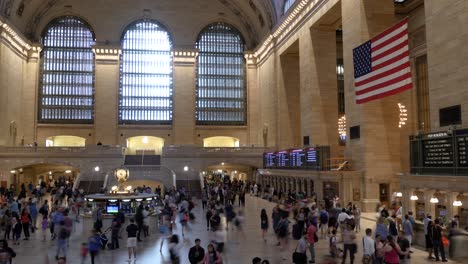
point(403, 115)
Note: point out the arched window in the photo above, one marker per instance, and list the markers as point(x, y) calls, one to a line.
point(66, 89)
point(221, 92)
point(146, 75)
point(287, 5)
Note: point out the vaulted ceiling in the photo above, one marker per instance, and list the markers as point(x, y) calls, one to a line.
point(254, 18)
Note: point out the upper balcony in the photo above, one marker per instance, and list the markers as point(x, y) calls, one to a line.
point(202, 152)
point(65, 152)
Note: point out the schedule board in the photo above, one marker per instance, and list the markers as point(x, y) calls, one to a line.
point(302, 158)
point(440, 153)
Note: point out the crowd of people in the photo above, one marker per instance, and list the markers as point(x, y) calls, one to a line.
point(306, 220)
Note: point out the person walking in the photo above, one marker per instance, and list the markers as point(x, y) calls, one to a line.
point(196, 253)
point(115, 233)
point(174, 249)
point(408, 229)
point(436, 235)
point(349, 243)
point(368, 248)
point(9, 250)
point(323, 217)
point(264, 223)
point(427, 226)
point(62, 236)
point(132, 230)
point(44, 225)
point(312, 238)
point(211, 256)
point(93, 245)
point(404, 245)
point(139, 221)
point(392, 252)
point(25, 220)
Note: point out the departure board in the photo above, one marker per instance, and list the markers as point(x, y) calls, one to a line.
point(443, 153)
point(296, 158)
point(305, 159)
point(438, 151)
point(269, 160)
point(311, 157)
point(282, 159)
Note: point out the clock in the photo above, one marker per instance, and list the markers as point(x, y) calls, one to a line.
point(121, 175)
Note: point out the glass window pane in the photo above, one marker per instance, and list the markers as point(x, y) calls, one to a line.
point(287, 5)
point(66, 92)
point(221, 92)
point(146, 75)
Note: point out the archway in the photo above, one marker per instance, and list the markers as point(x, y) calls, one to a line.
point(65, 141)
point(148, 145)
point(220, 141)
point(49, 175)
point(226, 171)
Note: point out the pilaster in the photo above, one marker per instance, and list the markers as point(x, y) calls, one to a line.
point(106, 106)
point(183, 127)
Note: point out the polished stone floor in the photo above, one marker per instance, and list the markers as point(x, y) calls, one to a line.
point(240, 247)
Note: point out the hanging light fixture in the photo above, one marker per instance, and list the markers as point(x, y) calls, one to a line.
point(399, 194)
point(435, 197)
point(414, 197)
point(458, 201)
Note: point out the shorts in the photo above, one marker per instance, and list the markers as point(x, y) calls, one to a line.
point(131, 242)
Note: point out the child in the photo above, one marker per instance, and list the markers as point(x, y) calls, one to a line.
point(333, 242)
point(44, 225)
point(83, 252)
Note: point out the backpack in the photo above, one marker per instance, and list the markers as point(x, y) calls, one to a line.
point(63, 234)
point(323, 217)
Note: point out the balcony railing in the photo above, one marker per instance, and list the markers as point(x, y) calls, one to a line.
point(102, 150)
point(195, 150)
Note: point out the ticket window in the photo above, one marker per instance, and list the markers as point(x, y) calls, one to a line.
point(420, 210)
point(463, 217)
point(441, 211)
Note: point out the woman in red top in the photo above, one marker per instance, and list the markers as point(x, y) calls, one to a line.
point(392, 252)
point(25, 219)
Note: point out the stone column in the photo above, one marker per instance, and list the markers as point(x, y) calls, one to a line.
point(255, 128)
point(318, 86)
point(377, 151)
point(106, 106)
point(30, 93)
point(183, 127)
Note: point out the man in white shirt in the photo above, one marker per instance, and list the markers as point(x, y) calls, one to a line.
point(368, 247)
point(342, 217)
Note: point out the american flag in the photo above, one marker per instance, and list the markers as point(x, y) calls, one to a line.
point(382, 65)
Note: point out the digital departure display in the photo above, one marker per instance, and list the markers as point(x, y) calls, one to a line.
point(307, 158)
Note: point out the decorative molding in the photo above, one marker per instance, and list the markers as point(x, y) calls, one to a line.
point(185, 57)
point(18, 43)
point(250, 59)
point(235, 9)
point(105, 54)
point(302, 11)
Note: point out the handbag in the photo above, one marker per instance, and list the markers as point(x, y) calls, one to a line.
point(298, 257)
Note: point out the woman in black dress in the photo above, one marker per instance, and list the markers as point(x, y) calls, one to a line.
point(264, 223)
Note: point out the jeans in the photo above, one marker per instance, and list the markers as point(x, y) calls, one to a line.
point(61, 246)
point(312, 252)
point(115, 242)
point(438, 248)
point(352, 250)
point(92, 254)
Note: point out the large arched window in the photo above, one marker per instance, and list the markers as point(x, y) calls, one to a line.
point(221, 92)
point(287, 5)
point(66, 93)
point(146, 75)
